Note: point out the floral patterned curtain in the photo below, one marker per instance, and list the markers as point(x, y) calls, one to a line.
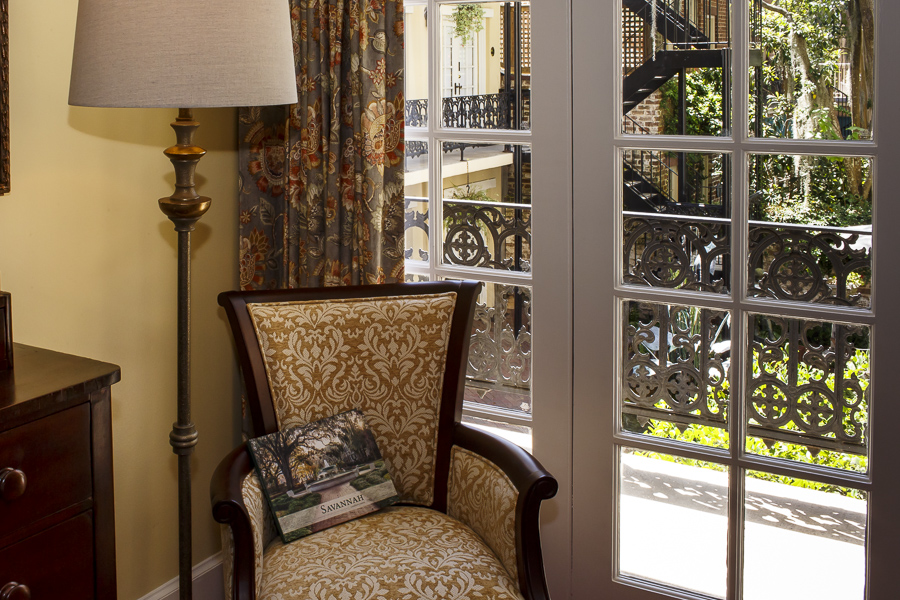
point(322, 192)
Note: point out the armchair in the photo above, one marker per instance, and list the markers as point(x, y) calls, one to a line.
point(467, 524)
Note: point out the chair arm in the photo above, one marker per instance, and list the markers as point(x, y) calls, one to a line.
point(226, 492)
point(533, 484)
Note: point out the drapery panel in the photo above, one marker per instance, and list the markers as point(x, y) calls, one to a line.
point(322, 190)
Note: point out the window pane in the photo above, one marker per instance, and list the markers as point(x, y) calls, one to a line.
point(803, 540)
point(673, 521)
point(487, 205)
point(812, 69)
point(415, 79)
point(676, 209)
point(807, 393)
point(811, 228)
point(499, 371)
point(517, 434)
point(676, 372)
point(416, 214)
point(676, 67)
point(486, 65)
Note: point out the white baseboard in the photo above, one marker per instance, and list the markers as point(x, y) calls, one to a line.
point(208, 583)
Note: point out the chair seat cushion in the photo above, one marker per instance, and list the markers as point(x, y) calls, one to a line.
point(398, 553)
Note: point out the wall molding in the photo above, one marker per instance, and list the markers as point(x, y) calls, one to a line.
point(208, 584)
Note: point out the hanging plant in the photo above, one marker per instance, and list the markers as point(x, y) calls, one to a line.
point(469, 20)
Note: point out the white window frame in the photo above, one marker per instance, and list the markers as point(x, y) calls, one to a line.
point(596, 142)
point(551, 278)
point(435, 135)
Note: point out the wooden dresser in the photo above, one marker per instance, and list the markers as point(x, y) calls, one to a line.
point(57, 529)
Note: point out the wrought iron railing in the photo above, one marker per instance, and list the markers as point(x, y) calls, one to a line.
point(808, 263)
point(499, 366)
point(416, 226)
point(675, 364)
point(803, 263)
point(675, 251)
point(809, 385)
point(483, 111)
point(494, 235)
point(807, 381)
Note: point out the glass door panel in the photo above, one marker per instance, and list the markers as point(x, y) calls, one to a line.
point(812, 69)
point(673, 521)
point(803, 539)
point(468, 190)
point(676, 67)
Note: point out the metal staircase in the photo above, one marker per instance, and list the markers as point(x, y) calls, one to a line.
point(670, 22)
point(651, 184)
point(651, 75)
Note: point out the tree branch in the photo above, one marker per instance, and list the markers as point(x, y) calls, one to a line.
point(781, 11)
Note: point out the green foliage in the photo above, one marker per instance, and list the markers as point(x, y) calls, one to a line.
point(284, 504)
point(818, 193)
point(468, 20)
point(374, 477)
point(703, 89)
point(715, 437)
point(470, 194)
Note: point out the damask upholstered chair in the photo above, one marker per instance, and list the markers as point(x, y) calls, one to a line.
point(467, 524)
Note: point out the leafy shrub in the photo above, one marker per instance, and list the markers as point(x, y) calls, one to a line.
point(285, 504)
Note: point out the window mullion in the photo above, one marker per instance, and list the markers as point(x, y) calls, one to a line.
point(740, 50)
point(435, 184)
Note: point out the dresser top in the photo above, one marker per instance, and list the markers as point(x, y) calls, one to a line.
point(44, 381)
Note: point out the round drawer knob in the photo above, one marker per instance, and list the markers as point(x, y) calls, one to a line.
point(15, 591)
point(12, 486)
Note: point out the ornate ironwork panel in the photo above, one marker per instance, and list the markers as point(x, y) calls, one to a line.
point(416, 148)
point(805, 263)
point(416, 228)
point(487, 235)
point(486, 111)
point(483, 111)
point(416, 113)
point(676, 364)
point(499, 369)
point(807, 383)
point(677, 252)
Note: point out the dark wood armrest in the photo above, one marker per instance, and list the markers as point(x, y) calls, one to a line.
point(228, 508)
point(534, 485)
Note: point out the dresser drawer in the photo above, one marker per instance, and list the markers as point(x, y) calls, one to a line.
point(54, 453)
point(55, 564)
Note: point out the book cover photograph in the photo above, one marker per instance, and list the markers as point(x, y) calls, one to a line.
point(321, 474)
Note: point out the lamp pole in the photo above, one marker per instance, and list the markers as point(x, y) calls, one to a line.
point(184, 208)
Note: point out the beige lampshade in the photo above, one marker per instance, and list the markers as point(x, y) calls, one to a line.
point(182, 53)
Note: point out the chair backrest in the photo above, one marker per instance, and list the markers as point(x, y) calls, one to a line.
point(397, 352)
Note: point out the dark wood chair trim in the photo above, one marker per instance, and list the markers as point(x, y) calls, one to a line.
point(228, 509)
point(454, 384)
point(534, 485)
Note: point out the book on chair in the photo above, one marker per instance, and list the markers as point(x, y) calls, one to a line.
point(321, 474)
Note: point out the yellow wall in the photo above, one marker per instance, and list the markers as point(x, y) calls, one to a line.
point(416, 43)
point(90, 262)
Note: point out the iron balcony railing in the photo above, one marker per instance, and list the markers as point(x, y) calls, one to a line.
point(676, 364)
point(483, 111)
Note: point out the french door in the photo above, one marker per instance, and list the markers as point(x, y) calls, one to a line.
point(734, 302)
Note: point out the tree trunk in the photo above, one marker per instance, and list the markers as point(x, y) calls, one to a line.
point(861, 34)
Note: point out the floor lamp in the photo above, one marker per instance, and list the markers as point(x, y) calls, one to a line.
point(177, 54)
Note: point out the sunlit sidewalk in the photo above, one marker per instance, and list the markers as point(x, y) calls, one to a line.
point(799, 543)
